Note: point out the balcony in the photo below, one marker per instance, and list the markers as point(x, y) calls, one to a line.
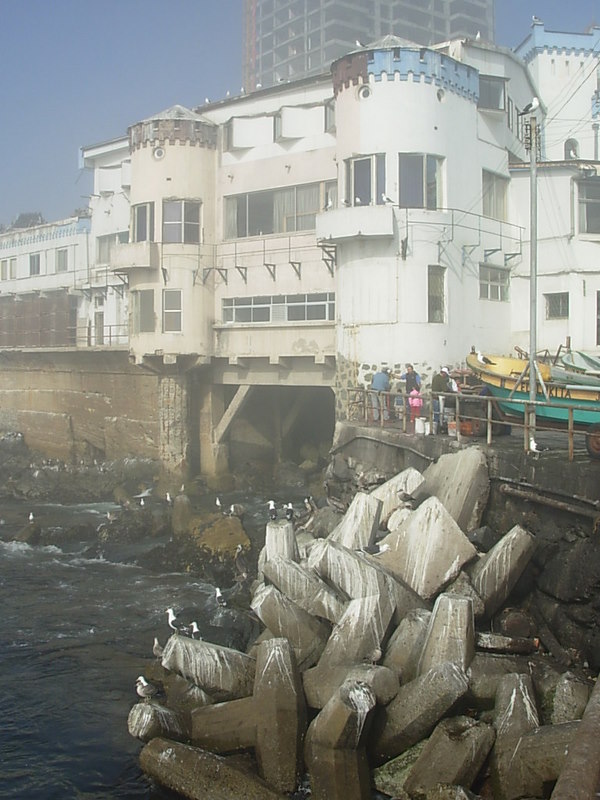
point(359, 221)
point(136, 255)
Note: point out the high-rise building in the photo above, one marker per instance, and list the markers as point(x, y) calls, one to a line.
point(289, 39)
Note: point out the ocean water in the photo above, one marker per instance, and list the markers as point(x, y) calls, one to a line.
point(75, 633)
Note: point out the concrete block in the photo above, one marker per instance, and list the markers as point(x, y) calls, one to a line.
point(404, 648)
point(280, 540)
point(415, 711)
point(225, 727)
point(398, 517)
point(461, 483)
point(359, 525)
point(539, 759)
point(358, 636)
point(494, 576)
point(321, 683)
point(485, 673)
point(148, 720)
point(223, 673)
point(454, 754)
point(335, 745)
point(463, 587)
point(197, 774)
point(345, 569)
point(392, 492)
point(571, 697)
point(283, 618)
point(305, 588)
point(450, 634)
point(428, 550)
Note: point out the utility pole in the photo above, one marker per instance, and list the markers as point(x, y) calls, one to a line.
point(533, 269)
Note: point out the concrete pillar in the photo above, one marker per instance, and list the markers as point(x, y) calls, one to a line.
point(214, 456)
point(173, 421)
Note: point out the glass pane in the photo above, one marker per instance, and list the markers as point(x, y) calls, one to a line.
point(315, 312)
point(296, 313)
point(261, 314)
point(260, 213)
point(172, 322)
point(172, 211)
point(146, 311)
point(411, 180)
point(243, 314)
point(172, 299)
point(191, 212)
point(432, 182)
point(172, 232)
point(191, 232)
point(141, 223)
point(362, 182)
point(380, 178)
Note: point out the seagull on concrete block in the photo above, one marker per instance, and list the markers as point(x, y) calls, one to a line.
point(171, 619)
point(144, 688)
point(534, 447)
point(386, 200)
point(272, 510)
point(529, 108)
point(289, 512)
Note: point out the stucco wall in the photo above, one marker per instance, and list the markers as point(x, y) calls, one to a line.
point(80, 405)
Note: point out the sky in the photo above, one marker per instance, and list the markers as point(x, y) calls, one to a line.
point(79, 72)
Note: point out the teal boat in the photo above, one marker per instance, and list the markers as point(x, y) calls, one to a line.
point(582, 363)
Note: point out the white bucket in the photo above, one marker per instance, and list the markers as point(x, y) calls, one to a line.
point(427, 428)
point(420, 425)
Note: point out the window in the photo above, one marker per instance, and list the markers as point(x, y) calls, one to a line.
point(589, 205)
point(435, 293)
point(330, 116)
point(105, 244)
point(557, 305)
point(276, 211)
point(62, 260)
point(491, 93)
point(365, 180)
point(494, 191)
point(420, 181)
point(319, 306)
point(143, 311)
point(493, 283)
point(181, 221)
point(34, 263)
point(12, 268)
point(172, 310)
point(143, 223)
point(4, 269)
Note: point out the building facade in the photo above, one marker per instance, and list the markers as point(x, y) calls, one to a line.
point(290, 39)
point(267, 252)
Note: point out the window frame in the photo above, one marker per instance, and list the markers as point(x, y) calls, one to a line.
point(300, 307)
point(172, 313)
point(189, 221)
point(414, 196)
point(143, 316)
point(491, 82)
point(494, 280)
point(35, 264)
point(142, 222)
point(560, 301)
point(61, 255)
point(436, 311)
point(589, 223)
point(373, 180)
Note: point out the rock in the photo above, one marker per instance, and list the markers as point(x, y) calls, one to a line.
point(181, 516)
point(305, 588)
point(570, 699)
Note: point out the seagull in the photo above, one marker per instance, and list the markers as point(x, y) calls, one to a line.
point(171, 620)
point(484, 359)
point(142, 504)
point(529, 108)
point(345, 203)
point(386, 199)
point(31, 517)
point(358, 43)
point(357, 201)
point(272, 510)
point(375, 549)
point(240, 563)
point(144, 688)
point(536, 20)
point(328, 204)
point(145, 493)
point(478, 36)
point(169, 499)
point(194, 629)
point(572, 153)
point(289, 512)
point(219, 597)
point(534, 447)
point(219, 504)
point(236, 510)
point(157, 648)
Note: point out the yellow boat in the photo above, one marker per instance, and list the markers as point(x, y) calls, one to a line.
point(508, 380)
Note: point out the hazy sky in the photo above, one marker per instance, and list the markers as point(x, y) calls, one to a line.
point(79, 72)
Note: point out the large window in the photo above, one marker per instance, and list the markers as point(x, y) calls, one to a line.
point(436, 278)
point(494, 191)
point(105, 244)
point(365, 180)
point(589, 205)
point(491, 93)
point(557, 305)
point(143, 222)
point(181, 221)
point(34, 263)
point(143, 311)
point(171, 310)
point(277, 210)
point(4, 269)
point(494, 283)
point(420, 181)
point(280, 308)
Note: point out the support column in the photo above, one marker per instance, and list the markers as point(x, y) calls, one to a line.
point(173, 418)
point(214, 455)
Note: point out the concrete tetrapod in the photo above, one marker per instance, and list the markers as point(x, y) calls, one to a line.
point(334, 751)
point(360, 523)
point(450, 634)
point(148, 720)
point(305, 588)
point(198, 775)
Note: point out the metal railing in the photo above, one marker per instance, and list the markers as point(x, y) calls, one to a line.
point(471, 415)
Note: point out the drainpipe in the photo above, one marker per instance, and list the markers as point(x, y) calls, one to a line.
point(595, 127)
